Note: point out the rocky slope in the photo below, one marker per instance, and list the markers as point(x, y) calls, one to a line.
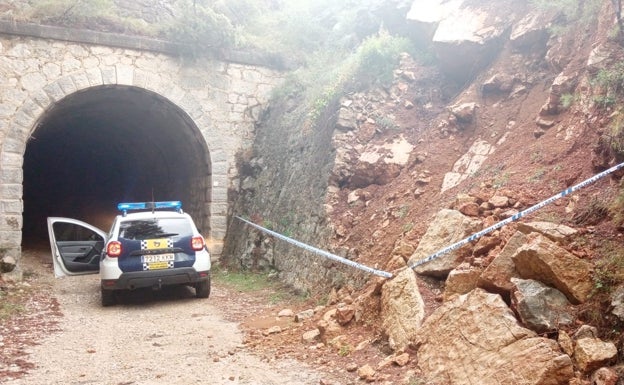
point(511, 116)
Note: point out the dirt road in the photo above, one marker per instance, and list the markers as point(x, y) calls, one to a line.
point(166, 337)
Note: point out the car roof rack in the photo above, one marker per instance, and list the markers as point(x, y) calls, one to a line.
point(165, 205)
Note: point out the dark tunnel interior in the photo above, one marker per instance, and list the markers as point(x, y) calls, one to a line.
point(105, 145)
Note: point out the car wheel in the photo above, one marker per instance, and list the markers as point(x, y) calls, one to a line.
point(108, 297)
point(202, 289)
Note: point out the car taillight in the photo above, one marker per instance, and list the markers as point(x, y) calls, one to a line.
point(113, 249)
point(197, 243)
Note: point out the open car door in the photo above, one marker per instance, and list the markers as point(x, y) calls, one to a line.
point(76, 246)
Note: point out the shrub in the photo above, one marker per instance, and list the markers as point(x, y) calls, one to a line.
point(72, 12)
point(609, 84)
point(201, 28)
point(377, 57)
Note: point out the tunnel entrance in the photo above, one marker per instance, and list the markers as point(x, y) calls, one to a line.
point(110, 144)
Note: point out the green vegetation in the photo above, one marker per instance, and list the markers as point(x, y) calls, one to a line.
point(202, 29)
point(567, 100)
point(573, 11)
point(609, 270)
point(612, 139)
point(345, 350)
point(609, 85)
point(243, 281)
point(259, 283)
point(93, 14)
point(332, 49)
point(537, 175)
point(501, 180)
point(616, 209)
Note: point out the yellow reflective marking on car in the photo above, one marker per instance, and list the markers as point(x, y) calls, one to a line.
point(159, 265)
point(152, 244)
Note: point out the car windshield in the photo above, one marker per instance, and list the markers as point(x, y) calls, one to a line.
point(140, 229)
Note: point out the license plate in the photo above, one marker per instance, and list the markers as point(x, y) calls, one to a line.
point(156, 258)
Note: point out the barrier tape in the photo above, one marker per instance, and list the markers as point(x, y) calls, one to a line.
point(323, 253)
point(516, 216)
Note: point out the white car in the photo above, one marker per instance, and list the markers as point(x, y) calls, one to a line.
point(156, 244)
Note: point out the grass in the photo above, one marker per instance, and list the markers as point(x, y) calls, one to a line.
point(537, 176)
point(609, 270)
point(249, 282)
point(243, 281)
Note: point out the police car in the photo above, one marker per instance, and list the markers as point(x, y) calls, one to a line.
point(150, 244)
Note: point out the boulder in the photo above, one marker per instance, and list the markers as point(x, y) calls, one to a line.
point(461, 280)
point(344, 314)
point(498, 83)
point(402, 309)
point(542, 260)
point(469, 37)
point(497, 276)
point(347, 120)
point(464, 112)
point(617, 302)
point(485, 245)
point(592, 353)
point(531, 32)
point(425, 15)
point(499, 201)
point(604, 376)
point(560, 234)
point(540, 308)
point(448, 227)
point(7, 264)
point(475, 339)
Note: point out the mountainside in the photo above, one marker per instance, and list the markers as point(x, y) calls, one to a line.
point(523, 105)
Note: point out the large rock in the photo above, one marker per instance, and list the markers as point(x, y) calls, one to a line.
point(7, 264)
point(448, 227)
point(542, 260)
point(532, 31)
point(461, 280)
point(402, 309)
point(561, 234)
point(468, 38)
point(592, 353)
point(475, 339)
point(541, 308)
point(497, 276)
point(424, 17)
point(617, 303)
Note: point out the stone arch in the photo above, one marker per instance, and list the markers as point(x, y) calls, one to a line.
point(31, 114)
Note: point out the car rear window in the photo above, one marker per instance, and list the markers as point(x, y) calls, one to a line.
point(140, 229)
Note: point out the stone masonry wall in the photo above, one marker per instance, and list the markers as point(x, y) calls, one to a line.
point(223, 99)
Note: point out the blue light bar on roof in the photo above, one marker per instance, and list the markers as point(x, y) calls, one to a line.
point(125, 207)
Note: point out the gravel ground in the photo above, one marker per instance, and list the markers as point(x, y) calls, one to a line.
point(166, 337)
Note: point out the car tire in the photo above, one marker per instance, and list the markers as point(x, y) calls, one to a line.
point(202, 289)
point(108, 297)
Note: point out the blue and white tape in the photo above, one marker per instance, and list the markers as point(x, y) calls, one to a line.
point(516, 216)
point(323, 253)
